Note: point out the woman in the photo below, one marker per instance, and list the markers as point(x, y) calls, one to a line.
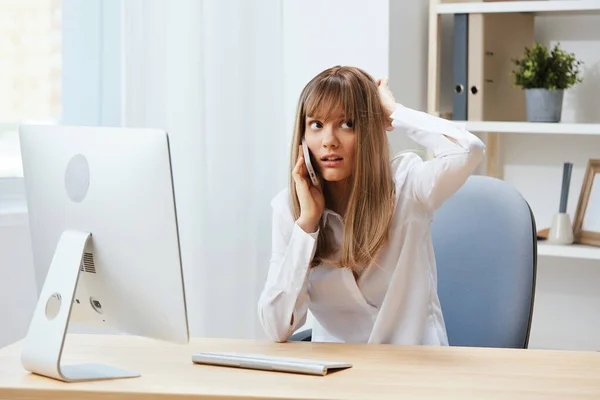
point(356, 249)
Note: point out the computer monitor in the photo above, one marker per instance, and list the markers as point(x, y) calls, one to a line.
point(105, 240)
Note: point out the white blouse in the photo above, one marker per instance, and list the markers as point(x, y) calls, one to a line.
point(395, 302)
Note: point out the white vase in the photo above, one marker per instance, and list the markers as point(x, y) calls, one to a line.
point(561, 231)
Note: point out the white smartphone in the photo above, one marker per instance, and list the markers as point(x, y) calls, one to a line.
point(309, 167)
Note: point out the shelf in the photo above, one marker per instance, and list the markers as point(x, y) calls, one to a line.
point(531, 127)
point(540, 7)
point(569, 251)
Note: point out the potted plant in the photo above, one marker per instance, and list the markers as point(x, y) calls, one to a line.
point(544, 74)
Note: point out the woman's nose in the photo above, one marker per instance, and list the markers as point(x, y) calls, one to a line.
point(330, 137)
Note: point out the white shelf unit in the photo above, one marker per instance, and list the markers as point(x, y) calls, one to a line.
point(531, 127)
point(540, 7)
point(479, 124)
point(569, 251)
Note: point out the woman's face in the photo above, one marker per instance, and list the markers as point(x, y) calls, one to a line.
point(331, 143)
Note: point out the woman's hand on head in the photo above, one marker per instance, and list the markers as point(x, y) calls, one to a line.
point(387, 100)
point(310, 197)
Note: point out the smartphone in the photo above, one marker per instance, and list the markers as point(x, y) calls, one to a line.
point(309, 167)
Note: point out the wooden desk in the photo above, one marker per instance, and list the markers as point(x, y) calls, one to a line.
point(379, 372)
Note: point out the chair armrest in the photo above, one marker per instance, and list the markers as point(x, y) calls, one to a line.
point(301, 336)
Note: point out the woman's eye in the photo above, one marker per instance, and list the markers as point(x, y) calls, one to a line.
point(347, 125)
point(316, 125)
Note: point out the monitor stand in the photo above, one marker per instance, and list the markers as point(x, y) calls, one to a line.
point(45, 338)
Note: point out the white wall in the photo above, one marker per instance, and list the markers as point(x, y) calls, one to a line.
point(385, 38)
point(408, 60)
point(321, 34)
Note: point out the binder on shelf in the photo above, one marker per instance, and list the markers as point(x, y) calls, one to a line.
point(460, 67)
point(493, 42)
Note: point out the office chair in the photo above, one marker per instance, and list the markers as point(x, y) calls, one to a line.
point(485, 245)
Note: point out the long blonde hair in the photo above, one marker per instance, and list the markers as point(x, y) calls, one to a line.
point(371, 199)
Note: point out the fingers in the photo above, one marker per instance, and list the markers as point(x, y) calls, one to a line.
point(316, 192)
point(300, 167)
point(383, 82)
point(299, 173)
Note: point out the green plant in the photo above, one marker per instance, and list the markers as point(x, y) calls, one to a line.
point(547, 69)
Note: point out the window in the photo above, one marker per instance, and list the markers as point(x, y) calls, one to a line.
point(30, 72)
point(60, 62)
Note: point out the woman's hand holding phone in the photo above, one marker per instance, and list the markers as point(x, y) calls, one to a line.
point(310, 197)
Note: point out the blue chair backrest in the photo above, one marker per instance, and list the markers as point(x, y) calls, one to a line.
point(485, 245)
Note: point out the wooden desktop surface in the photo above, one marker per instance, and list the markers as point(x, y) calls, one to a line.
point(379, 372)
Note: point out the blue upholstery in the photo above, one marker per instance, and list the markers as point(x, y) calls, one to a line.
point(486, 253)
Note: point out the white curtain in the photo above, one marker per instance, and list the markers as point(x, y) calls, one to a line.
point(211, 74)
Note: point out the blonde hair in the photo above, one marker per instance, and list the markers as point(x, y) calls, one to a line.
point(371, 199)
